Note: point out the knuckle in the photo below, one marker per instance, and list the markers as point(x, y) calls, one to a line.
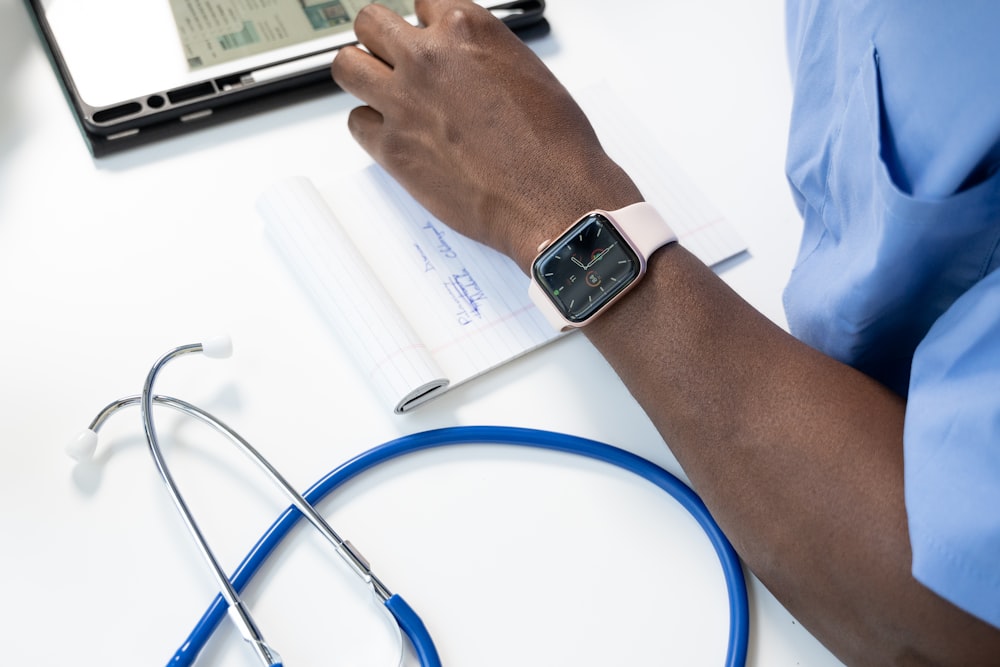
point(457, 29)
point(425, 55)
point(466, 19)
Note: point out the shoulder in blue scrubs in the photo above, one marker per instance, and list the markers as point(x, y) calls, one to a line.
point(893, 155)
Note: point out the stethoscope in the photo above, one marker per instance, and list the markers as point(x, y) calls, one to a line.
point(229, 601)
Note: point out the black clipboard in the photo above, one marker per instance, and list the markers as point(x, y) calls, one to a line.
point(160, 112)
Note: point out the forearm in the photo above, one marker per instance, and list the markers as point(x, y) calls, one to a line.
point(798, 457)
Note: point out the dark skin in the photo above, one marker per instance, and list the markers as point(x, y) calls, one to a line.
point(799, 457)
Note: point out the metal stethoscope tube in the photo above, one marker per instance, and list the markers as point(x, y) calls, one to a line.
point(237, 610)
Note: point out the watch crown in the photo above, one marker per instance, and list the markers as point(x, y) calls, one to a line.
point(543, 245)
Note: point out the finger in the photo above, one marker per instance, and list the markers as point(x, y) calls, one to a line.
point(365, 125)
point(382, 31)
point(362, 75)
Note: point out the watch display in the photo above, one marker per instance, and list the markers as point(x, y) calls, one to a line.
point(586, 267)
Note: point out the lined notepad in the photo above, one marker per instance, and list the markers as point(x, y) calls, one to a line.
point(420, 307)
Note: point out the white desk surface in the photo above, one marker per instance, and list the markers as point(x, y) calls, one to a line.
point(510, 557)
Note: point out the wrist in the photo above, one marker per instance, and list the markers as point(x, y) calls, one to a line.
point(544, 216)
point(595, 262)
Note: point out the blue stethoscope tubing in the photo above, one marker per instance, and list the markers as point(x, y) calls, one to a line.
point(409, 622)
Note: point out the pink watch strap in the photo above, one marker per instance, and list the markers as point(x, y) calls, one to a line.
point(644, 226)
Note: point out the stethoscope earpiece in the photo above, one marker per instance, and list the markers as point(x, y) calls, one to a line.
point(218, 347)
point(83, 446)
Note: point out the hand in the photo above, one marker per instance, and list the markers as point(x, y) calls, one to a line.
point(475, 127)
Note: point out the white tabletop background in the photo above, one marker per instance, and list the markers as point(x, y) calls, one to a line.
point(510, 557)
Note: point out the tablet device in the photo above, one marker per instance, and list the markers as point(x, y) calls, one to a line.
point(135, 71)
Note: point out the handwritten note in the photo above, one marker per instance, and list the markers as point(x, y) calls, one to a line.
point(466, 302)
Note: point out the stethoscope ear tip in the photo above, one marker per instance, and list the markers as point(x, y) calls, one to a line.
point(83, 446)
point(218, 347)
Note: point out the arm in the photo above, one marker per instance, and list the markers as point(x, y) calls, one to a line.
point(798, 457)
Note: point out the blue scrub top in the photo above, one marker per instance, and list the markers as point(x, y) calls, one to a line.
point(892, 158)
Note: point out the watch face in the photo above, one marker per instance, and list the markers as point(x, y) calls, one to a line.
point(586, 268)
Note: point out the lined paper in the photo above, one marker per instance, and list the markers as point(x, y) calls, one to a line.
point(347, 292)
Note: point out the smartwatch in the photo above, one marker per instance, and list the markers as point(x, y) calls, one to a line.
point(596, 261)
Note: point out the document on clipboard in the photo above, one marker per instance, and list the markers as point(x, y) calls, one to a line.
point(136, 71)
